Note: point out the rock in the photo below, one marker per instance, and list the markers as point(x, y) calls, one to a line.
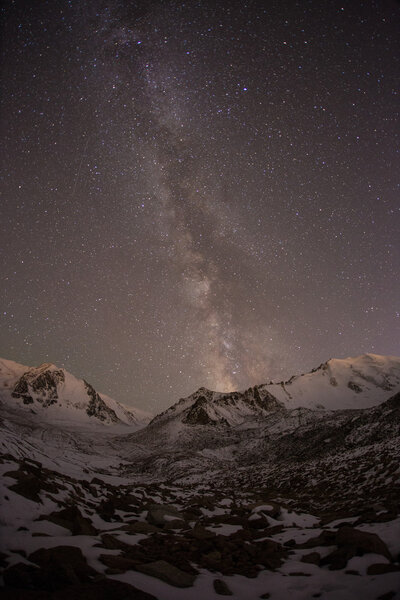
point(97, 407)
point(117, 564)
point(97, 481)
point(160, 514)
point(221, 588)
point(103, 589)
point(201, 533)
point(382, 568)
point(362, 542)
point(175, 524)
point(260, 523)
point(352, 572)
point(338, 559)
point(313, 558)
point(72, 519)
point(212, 560)
point(353, 542)
point(62, 566)
point(31, 466)
point(110, 542)
point(168, 573)
point(140, 527)
point(387, 596)
point(23, 576)
point(272, 509)
point(326, 538)
point(58, 568)
point(106, 509)
point(270, 554)
point(28, 485)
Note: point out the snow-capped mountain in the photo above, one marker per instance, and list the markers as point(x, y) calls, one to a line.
point(359, 382)
point(351, 383)
point(58, 395)
point(205, 407)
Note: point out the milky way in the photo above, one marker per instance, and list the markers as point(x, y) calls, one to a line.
point(198, 194)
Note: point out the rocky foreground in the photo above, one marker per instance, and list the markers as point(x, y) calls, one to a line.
point(72, 538)
point(222, 495)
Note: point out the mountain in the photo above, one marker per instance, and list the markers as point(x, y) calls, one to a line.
point(56, 394)
point(351, 383)
point(312, 415)
point(359, 382)
point(286, 489)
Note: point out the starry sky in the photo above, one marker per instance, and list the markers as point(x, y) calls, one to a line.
point(198, 193)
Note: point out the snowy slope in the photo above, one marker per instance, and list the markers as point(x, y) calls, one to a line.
point(352, 383)
point(205, 407)
point(60, 396)
point(360, 382)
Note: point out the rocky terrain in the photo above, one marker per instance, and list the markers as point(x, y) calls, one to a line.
point(267, 493)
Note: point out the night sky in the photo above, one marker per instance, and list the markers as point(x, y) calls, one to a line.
point(198, 193)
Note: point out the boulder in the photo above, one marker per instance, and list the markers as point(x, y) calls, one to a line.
point(57, 568)
point(23, 576)
point(103, 589)
point(362, 542)
point(353, 542)
point(312, 559)
point(201, 533)
point(175, 524)
point(62, 566)
point(168, 573)
point(72, 519)
point(111, 542)
point(160, 514)
point(221, 588)
point(117, 564)
point(382, 569)
point(140, 527)
point(28, 484)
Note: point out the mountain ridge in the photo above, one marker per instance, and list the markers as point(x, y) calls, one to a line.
point(351, 383)
point(57, 393)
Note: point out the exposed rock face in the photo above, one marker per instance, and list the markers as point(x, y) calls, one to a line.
point(97, 407)
point(353, 386)
point(64, 395)
point(39, 384)
point(198, 414)
point(211, 408)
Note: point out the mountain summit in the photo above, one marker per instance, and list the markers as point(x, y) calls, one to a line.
point(352, 383)
point(58, 395)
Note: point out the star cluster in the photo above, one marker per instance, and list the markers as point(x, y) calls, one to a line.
point(198, 193)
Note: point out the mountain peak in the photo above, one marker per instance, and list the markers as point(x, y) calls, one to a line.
point(56, 393)
point(350, 383)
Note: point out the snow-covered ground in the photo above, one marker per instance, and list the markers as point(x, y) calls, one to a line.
point(270, 500)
